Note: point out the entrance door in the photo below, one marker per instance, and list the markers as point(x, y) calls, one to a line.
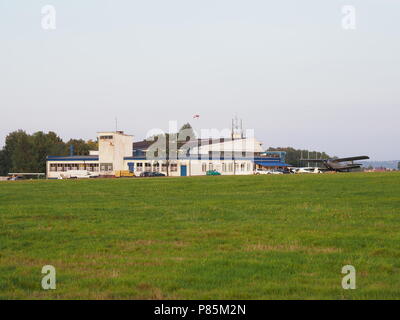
point(183, 171)
point(131, 167)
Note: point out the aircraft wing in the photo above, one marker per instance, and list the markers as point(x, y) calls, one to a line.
point(351, 159)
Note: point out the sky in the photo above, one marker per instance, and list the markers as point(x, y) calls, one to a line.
point(288, 68)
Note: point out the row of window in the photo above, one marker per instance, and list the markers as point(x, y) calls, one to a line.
point(92, 167)
point(62, 167)
point(155, 167)
point(145, 166)
point(227, 167)
point(222, 155)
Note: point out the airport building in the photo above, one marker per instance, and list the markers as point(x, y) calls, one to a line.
point(117, 151)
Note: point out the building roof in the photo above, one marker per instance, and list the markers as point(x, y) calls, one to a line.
point(121, 133)
point(271, 163)
point(145, 144)
point(73, 158)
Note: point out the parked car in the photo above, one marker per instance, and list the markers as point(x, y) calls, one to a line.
point(275, 172)
point(16, 178)
point(212, 173)
point(308, 170)
point(152, 174)
point(261, 171)
point(284, 171)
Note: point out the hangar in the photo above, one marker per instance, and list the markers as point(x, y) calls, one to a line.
point(117, 151)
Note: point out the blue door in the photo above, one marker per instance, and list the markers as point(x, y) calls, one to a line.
point(131, 166)
point(183, 171)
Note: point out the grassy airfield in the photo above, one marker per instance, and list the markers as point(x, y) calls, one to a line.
point(249, 237)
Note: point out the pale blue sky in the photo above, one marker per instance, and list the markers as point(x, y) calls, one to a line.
point(286, 67)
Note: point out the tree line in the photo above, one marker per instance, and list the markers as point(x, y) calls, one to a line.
point(25, 152)
point(294, 156)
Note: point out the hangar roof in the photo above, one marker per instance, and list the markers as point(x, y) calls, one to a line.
point(72, 158)
point(271, 163)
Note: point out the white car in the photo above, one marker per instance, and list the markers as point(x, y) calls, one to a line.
point(308, 170)
point(261, 171)
point(275, 172)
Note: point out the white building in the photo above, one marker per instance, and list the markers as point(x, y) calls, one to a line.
point(117, 151)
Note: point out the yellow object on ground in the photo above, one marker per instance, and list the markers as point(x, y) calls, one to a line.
point(124, 173)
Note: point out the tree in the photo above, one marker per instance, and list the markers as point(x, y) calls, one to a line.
point(3, 164)
point(44, 145)
point(294, 156)
point(27, 153)
point(398, 165)
point(81, 148)
point(7, 152)
point(93, 145)
point(22, 156)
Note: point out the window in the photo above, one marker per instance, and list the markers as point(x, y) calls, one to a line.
point(210, 166)
point(164, 167)
point(242, 167)
point(92, 167)
point(53, 167)
point(174, 167)
point(106, 137)
point(156, 167)
point(147, 166)
point(204, 167)
point(139, 166)
point(230, 167)
point(223, 167)
point(106, 167)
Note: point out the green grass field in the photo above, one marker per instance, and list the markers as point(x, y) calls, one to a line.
point(249, 237)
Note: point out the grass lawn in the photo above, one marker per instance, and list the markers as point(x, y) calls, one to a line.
point(241, 237)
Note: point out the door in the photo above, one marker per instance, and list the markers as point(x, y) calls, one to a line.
point(183, 171)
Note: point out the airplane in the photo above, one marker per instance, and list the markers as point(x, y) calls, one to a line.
point(339, 164)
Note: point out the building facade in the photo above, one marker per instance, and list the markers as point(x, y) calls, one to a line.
point(118, 151)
